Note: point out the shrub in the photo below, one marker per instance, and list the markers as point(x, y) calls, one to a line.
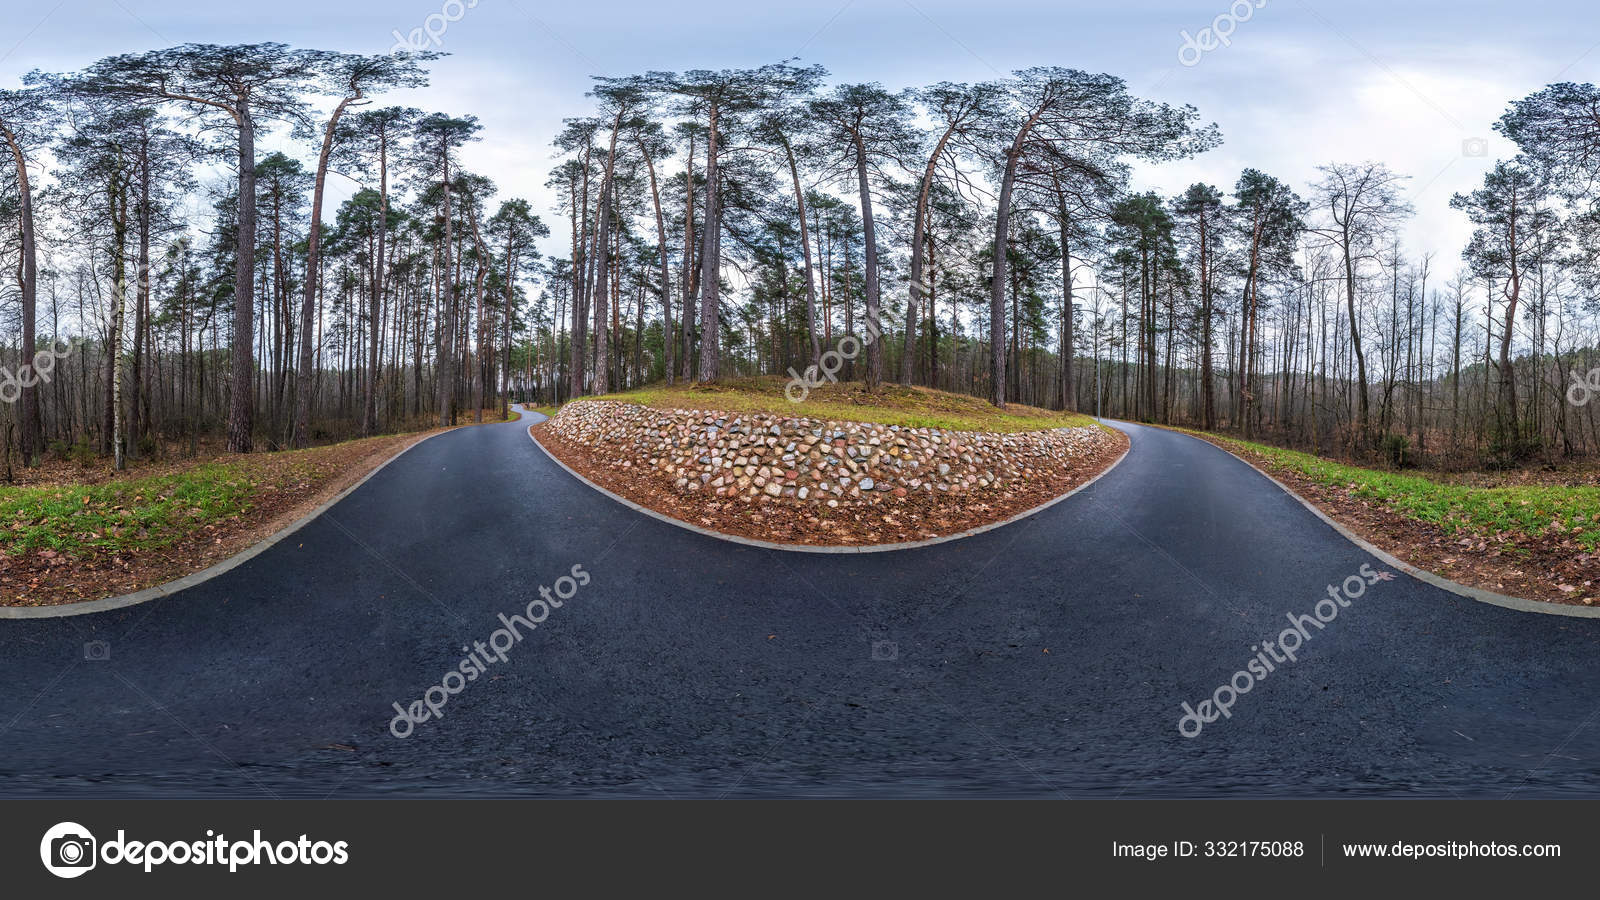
point(1396, 450)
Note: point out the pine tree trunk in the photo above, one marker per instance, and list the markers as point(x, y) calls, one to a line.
point(30, 438)
point(241, 411)
point(710, 264)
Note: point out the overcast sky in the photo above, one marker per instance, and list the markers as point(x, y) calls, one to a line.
point(1416, 85)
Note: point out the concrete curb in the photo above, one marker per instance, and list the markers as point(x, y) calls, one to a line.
point(1482, 596)
point(813, 548)
point(188, 581)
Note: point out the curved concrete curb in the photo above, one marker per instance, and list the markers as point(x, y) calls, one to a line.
point(813, 548)
point(1482, 596)
point(188, 581)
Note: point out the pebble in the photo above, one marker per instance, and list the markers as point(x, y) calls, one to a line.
point(794, 460)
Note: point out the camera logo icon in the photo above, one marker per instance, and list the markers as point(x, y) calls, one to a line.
point(97, 651)
point(67, 850)
point(1474, 147)
point(885, 651)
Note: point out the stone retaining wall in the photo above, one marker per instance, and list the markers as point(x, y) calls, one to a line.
point(793, 460)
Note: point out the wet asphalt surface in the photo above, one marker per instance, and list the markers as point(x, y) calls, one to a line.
point(1049, 657)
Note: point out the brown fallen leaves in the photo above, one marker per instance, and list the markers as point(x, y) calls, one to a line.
point(290, 485)
point(1549, 567)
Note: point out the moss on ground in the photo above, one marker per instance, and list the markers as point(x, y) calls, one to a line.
point(890, 404)
point(1533, 511)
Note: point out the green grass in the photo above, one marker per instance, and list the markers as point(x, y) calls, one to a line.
point(891, 404)
point(1519, 510)
point(136, 514)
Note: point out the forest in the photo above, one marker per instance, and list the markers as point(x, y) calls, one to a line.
point(169, 282)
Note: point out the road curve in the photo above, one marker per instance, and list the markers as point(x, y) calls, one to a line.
point(1049, 657)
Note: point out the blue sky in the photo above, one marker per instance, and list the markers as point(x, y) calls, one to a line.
point(1414, 84)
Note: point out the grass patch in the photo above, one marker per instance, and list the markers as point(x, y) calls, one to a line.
point(135, 514)
point(129, 512)
point(1535, 511)
point(890, 404)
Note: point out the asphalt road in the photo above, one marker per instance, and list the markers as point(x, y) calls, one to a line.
point(1049, 657)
